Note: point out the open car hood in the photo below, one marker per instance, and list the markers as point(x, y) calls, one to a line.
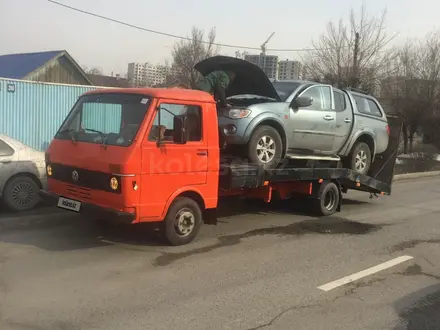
point(250, 79)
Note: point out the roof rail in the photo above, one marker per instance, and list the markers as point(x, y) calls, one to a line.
point(357, 90)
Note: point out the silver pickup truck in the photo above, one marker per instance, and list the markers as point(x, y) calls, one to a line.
point(270, 121)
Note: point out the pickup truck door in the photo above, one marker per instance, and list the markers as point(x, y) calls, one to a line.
point(344, 119)
point(313, 127)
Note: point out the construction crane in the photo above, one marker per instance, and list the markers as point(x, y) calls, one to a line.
point(263, 46)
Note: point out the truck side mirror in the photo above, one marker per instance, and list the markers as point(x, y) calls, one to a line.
point(179, 135)
point(301, 102)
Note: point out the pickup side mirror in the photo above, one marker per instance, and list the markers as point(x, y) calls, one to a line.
point(301, 102)
point(179, 135)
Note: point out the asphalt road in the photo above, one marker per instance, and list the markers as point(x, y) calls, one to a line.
point(261, 270)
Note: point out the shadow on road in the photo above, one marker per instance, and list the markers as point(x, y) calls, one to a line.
point(72, 232)
point(420, 310)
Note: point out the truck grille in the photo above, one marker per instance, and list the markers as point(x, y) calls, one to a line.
point(80, 177)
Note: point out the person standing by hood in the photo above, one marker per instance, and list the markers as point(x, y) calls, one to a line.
point(216, 83)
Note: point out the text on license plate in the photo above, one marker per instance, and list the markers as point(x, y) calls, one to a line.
point(69, 204)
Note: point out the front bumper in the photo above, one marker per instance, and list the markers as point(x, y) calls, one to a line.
point(238, 137)
point(91, 209)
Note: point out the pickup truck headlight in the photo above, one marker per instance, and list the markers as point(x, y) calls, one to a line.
point(237, 113)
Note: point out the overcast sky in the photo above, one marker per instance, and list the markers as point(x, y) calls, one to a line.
point(38, 25)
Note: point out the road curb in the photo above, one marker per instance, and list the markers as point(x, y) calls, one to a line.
point(416, 175)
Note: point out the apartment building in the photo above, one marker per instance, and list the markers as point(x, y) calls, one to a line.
point(268, 63)
point(147, 74)
point(289, 70)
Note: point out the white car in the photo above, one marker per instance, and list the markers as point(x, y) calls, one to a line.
point(22, 174)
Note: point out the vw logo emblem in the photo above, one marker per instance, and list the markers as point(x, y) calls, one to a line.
point(75, 176)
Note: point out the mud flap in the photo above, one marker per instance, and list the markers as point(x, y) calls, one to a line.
point(210, 217)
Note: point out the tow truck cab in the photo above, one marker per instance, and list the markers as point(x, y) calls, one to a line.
point(129, 153)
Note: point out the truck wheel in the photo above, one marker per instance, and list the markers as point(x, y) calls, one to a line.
point(182, 222)
point(360, 158)
point(21, 194)
point(265, 147)
point(328, 202)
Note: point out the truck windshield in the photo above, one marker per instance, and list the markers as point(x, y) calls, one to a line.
point(284, 89)
point(108, 118)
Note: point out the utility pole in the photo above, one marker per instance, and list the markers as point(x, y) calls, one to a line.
point(355, 58)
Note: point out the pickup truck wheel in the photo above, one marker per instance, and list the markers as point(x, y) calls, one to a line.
point(360, 158)
point(182, 222)
point(265, 147)
point(21, 194)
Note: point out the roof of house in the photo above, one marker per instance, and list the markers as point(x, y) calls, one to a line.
point(108, 81)
point(19, 66)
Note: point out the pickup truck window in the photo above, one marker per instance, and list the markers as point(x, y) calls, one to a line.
point(340, 104)
point(315, 93)
point(5, 149)
point(190, 114)
point(367, 106)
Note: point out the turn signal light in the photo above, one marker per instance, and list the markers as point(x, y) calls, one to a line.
point(388, 130)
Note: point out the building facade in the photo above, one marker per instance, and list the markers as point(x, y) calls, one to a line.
point(268, 63)
point(289, 70)
point(147, 74)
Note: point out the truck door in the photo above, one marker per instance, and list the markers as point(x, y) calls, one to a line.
point(170, 166)
point(314, 126)
point(344, 119)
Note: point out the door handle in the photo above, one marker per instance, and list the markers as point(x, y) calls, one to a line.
point(328, 117)
point(347, 120)
point(202, 153)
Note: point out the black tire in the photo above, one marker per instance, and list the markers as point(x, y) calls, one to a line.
point(21, 193)
point(170, 228)
point(271, 134)
point(362, 151)
point(329, 199)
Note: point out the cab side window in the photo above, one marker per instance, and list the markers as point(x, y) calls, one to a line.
point(174, 117)
point(319, 102)
point(340, 103)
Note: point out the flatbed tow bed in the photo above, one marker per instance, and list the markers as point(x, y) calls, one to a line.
point(323, 186)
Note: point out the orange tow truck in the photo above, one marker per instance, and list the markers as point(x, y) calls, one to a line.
point(153, 156)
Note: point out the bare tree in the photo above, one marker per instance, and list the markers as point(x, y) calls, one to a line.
point(414, 89)
point(95, 71)
point(188, 53)
point(241, 55)
point(335, 58)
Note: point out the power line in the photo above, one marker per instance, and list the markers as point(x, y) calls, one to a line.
point(174, 35)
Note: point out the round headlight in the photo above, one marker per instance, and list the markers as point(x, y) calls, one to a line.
point(49, 170)
point(114, 183)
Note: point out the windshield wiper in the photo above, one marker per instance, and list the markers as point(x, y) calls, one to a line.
point(69, 130)
point(103, 137)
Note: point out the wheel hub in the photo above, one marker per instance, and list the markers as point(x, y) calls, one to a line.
point(266, 149)
point(361, 160)
point(22, 194)
point(330, 200)
point(185, 222)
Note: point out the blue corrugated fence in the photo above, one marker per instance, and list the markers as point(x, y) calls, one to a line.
point(32, 112)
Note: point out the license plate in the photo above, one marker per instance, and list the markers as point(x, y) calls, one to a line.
point(69, 204)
